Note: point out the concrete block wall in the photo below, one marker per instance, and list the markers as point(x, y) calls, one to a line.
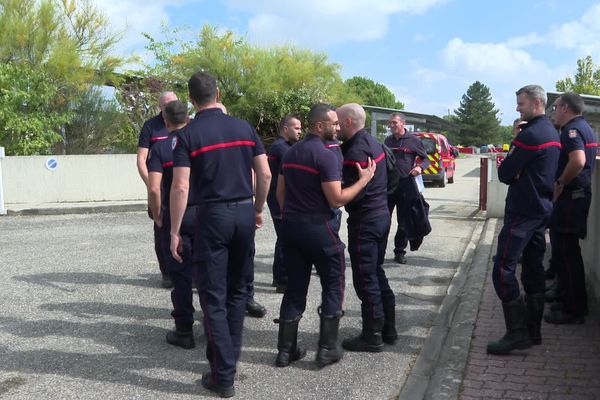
point(105, 177)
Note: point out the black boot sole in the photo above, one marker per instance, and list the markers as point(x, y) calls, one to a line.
point(523, 345)
point(292, 357)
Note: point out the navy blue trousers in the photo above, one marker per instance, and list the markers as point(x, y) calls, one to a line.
point(568, 225)
point(279, 274)
point(311, 241)
point(526, 236)
point(159, 250)
point(366, 243)
point(401, 200)
point(223, 246)
point(181, 273)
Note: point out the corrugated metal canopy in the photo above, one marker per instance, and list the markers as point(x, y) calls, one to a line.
point(422, 122)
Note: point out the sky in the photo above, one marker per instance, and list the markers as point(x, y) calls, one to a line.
point(427, 52)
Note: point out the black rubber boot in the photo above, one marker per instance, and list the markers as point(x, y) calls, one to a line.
point(255, 309)
point(535, 312)
point(287, 343)
point(369, 340)
point(516, 336)
point(389, 333)
point(329, 349)
point(183, 339)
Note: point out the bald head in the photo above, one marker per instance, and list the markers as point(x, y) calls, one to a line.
point(352, 119)
point(165, 98)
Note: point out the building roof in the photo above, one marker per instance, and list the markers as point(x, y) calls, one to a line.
point(422, 122)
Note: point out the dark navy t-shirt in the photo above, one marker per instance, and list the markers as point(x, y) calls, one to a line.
point(160, 159)
point(278, 149)
point(220, 150)
point(530, 169)
point(372, 200)
point(153, 130)
point(407, 148)
point(577, 134)
point(305, 166)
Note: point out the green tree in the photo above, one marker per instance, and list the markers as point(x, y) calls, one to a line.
point(257, 84)
point(30, 120)
point(585, 81)
point(66, 43)
point(477, 116)
point(372, 93)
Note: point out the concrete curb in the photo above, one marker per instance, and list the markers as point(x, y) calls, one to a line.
point(78, 209)
point(438, 370)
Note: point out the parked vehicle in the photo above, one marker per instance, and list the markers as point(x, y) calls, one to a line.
point(441, 158)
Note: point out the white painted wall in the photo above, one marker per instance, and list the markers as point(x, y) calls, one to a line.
point(496, 190)
point(105, 177)
point(590, 246)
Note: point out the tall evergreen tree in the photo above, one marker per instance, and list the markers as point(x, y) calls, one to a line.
point(478, 116)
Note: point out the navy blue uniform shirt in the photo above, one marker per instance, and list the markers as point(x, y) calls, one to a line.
point(276, 152)
point(334, 145)
point(220, 150)
point(406, 149)
point(304, 167)
point(153, 131)
point(530, 169)
point(160, 159)
point(577, 134)
point(372, 200)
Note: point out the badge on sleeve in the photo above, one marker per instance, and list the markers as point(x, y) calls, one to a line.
point(174, 143)
point(572, 133)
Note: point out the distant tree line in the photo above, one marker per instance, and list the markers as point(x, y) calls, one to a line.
point(56, 57)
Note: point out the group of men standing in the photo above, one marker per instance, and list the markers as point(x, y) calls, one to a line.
point(208, 179)
point(549, 178)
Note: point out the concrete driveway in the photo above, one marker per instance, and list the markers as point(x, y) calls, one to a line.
point(83, 316)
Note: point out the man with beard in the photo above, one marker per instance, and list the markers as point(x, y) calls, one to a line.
point(529, 169)
point(309, 187)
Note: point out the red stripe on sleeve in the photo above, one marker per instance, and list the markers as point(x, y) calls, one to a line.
point(364, 164)
point(167, 164)
point(217, 146)
point(538, 147)
point(301, 167)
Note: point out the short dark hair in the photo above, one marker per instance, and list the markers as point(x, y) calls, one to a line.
point(573, 101)
point(286, 120)
point(202, 87)
point(176, 112)
point(318, 113)
point(399, 115)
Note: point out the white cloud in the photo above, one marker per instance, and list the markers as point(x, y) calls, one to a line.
point(492, 60)
point(317, 23)
point(582, 35)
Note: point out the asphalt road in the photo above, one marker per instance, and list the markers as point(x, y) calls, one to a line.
point(83, 316)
